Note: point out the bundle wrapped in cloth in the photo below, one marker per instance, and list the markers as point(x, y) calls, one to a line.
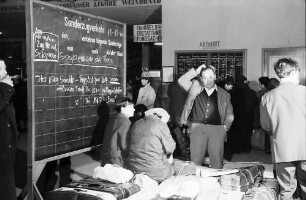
point(264, 188)
point(242, 180)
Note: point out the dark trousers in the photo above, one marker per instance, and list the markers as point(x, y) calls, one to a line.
point(204, 137)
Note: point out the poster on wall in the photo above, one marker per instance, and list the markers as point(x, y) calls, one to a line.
point(167, 74)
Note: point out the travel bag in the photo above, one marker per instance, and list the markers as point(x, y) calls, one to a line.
point(93, 189)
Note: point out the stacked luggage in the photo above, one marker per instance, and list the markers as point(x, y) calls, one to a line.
point(251, 184)
point(113, 183)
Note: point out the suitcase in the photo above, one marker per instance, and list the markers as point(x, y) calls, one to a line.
point(93, 189)
point(242, 180)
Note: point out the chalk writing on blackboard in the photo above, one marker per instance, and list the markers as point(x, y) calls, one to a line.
point(78, 64)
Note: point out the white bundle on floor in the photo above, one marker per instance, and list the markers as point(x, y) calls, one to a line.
point(183, 186)
point(210, 189)
point(145, 182)
point(149, 188)
point(113, 173)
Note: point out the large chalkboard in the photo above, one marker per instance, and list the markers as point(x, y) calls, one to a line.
point(78, 62)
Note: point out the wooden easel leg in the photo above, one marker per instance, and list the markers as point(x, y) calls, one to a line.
point(23, 193)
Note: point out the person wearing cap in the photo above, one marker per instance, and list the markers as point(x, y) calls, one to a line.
point(146, 95)
point(150, 144)
point(151, 147)
point(208, 112)
point(8, 136)
point(283, 114)
point(114, 142)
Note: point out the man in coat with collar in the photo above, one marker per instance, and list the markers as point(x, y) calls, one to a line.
point(283, 113)
point(147, 94)
point(8, 136)
point(208, 112)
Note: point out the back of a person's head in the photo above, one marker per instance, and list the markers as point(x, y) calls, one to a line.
point(140, 110)
point(284, 66)
point(229, 81)
point(121, 103)
point(241, 79)
point(273, 83)
point(264, 80)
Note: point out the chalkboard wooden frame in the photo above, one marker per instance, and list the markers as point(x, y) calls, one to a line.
point(97, 78)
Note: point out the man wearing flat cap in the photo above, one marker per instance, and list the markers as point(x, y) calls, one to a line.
point(146, 95)
point(208, 112)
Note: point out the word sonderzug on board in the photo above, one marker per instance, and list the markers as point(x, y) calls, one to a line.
point(79, 25)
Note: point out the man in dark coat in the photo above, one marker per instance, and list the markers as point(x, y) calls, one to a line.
point(244, 101)
point(8, 135)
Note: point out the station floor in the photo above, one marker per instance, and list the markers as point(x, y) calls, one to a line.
point(83, 164)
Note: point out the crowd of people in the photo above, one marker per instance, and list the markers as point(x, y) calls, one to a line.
point(143, 139)
point(215, 113)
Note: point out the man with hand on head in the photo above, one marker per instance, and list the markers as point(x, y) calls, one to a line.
point(283, 113)
point(208, 112)
point(8, 136)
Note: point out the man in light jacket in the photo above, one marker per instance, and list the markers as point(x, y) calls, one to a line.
point(208, 112)
point(283, 113)
point(147, 94)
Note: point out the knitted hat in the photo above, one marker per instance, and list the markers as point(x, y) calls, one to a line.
point(160, 112)
point(145, 74)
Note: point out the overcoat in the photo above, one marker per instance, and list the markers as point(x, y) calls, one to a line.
point(283, 111)
point(8, 137)
point(114, 142)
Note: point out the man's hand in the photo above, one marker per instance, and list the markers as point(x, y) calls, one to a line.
point(199, 69)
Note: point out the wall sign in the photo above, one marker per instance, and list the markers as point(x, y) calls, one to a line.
point(209, 44)
point(148, 33)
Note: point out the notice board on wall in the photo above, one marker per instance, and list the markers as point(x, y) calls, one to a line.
point(228, 63)
point(78, 63)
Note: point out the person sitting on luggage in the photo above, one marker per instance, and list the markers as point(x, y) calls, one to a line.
point(114, 141)
point(151, 146)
